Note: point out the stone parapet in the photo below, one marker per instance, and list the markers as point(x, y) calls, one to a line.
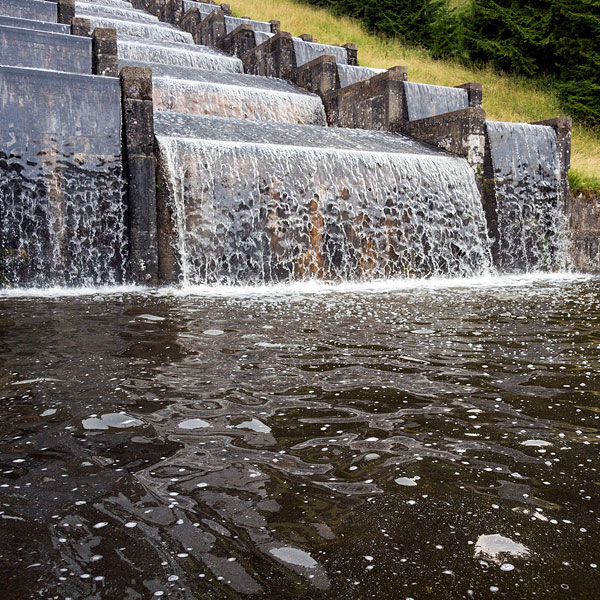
point(460, 132)
point(105, 53)
point(319, 76)
point(191, 23)
point(275, 57)
point(211, 30)
point(140, 172)
point(240, 41)
point(65, 11)
point(376, 103)
point(584, 231)
point(81, 27)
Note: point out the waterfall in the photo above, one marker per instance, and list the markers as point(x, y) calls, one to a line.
point(429, 100)
point(232, 23)
point(307, 51)
point(531, 221)
point(85, 9)
point(248, 212)
point(350, 74)
point(158, 32)
point(115, 3)
point(62, 221)
point(203, 7)
point(199, 97)
point(199, 57)
point(261, 36)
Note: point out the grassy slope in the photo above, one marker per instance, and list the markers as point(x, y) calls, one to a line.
point(504, 98)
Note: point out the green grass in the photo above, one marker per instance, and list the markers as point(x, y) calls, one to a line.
point(505, 98)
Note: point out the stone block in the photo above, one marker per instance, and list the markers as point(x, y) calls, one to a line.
point(375, 103)
point(65, 11)
point(352, 52)
point(240, 41)
point(81, 27)
point(140, 168)
point(105, 54)
point(319, 76)
point(275, 57)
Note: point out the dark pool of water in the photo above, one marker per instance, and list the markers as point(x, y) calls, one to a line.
point(341, 445)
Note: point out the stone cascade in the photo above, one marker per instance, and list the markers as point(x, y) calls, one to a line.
point(200, 79)
point(250, 156)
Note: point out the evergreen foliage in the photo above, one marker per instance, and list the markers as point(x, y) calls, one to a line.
point(556, 39)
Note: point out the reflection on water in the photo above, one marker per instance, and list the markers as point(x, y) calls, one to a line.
point(431, 442)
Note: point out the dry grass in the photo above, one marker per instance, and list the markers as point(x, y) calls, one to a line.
point(505, 98)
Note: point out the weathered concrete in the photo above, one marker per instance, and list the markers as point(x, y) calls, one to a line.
point(352, 53)
point(584, 231)
point(319, 76)
point(81, 27)
point(240, 41)
point(171, 11)
point(376, 103)
point(38, 10)
point(140, 167)
point(66, 11)
point(105, 54)
point(191, 22)
point(275, 57)
point(45, 50)
point(211, 30)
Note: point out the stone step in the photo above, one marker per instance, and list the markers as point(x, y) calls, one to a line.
point(39, 10)
point(30, 48)
point(32, 24)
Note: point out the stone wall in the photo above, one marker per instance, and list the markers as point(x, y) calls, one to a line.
point(584, 231)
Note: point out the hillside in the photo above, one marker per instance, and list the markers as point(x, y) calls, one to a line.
point(506, 98)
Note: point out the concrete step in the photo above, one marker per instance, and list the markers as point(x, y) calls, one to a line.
point(39, 10)
point(30, 48)
point(31, 24)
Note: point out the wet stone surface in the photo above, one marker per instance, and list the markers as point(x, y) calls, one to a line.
point(426, 443)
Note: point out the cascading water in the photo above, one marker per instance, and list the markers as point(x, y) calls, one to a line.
point(199, 97)
point(185, 55)
point(251, 213)
point(425, 100)
point(531, 221)
point(307, 51)
point(62, 223)
point(261, 36)
point(156, 32)
point(350, 74)
point(231, 23)
point(127, 13)
point(203, 7)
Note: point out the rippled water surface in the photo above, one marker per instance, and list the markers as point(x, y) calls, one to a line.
point(433, 442)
